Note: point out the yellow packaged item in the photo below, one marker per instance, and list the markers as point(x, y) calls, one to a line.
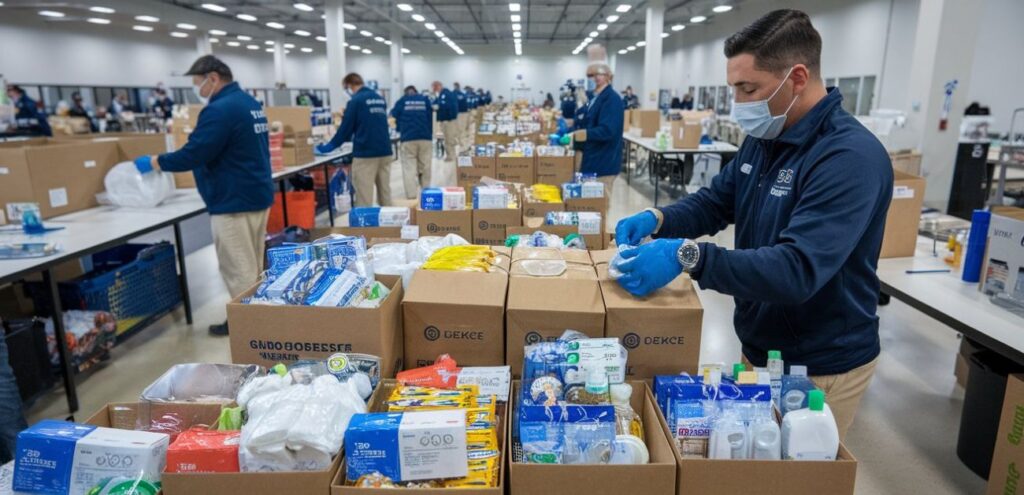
point(546, 193)
point(482, 473)
point(482, 444)
point(462, 258)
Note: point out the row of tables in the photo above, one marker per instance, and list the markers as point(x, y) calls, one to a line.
point(675, 160)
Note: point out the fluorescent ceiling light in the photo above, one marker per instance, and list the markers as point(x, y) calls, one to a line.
point(430, 26)
point(387, 42)
point(218, 32)
point(517, 26)
point(344, 44)
point(286, 52)
point(214, 40)
point(679, 27)
point(514, 7)
point(147, 18)
point(269, 50)
point(610, 19)
point(516, 34)
point(698, 18)
point(246, 17)
point(244, 37)
point(365, 33)
point(354, 47)
point(418, 18)
point(664, 35)
point(301, 32)
point(721, 9)
point(303, 7)
point(51, 13)
point(306, 49)
point(179, 34)
point(446, 39)
point(268, 42)
point(440, 34)
point(593, 34)
point(253, 47)
point(623, 51)
point(379, 39)
point(350, 27)
point(622, 9)
point(406, 51)
point(367, 51)
point(214, 7)
point(275, 25)
point(186, 26)
point(234, 43)
point(98, 20)
point(145, 29)
point(516, 18)
point(630, 48)
point(108, 10)
point(321, 38)
point(289, 45)
point(404, 7)
point(602, 27)
point(641, 43)
point(586, 41)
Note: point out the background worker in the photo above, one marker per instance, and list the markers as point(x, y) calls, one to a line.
point(447, 118)
point(414, 118)
point(600, 129)
point(29, 118)
point(229, 155)
point(365, 123)
point(78, 110)
point(630, 99)
point(472, 102)
point(808, 191)
point(163, 105)
point(568, 105)
point(463, 118)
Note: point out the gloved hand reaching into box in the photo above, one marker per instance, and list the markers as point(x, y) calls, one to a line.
point(650, 266)
point(631, 230)
point(323, 149)
point(144, 164)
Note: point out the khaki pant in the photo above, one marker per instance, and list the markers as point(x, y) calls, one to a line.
point(463, 132)
point(417, 158)
point(843, 393)
point(239, 239)
point(609, 182)
point(450, 129)
point(470, 130)
point(369, 171)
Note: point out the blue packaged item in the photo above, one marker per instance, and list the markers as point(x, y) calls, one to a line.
point(443, 198)
point(976, 246)
point(335, 288)
point(567, 434)
point(582, 177)
point(407, 446)
point(795, 387)
point(282, 257)
point(572, 190)
point(43, 458)
point(379, 216)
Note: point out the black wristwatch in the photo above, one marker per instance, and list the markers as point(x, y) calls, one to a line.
point(688, 255)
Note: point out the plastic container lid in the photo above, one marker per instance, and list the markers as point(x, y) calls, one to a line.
point(629, 450)
point(737, 369)
point(774, 354)
point(597, 382)
point(816, 400)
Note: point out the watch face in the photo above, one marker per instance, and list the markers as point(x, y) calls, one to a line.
point(689, 254)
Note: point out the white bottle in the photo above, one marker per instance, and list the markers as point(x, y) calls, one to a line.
point(810, 434)
point(729, 439)
point(765, 440)
point(776, 368)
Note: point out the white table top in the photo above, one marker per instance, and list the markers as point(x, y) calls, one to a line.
point(87, 229)
point(318, 160)
point(651, 145)
point(954, 302)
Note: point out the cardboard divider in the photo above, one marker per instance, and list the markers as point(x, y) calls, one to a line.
point(377, 404)
point(266, 335)
point(728, 477)
point(1004, 476)
point(658, 477)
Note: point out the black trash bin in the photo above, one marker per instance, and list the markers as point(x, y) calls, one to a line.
point(983, 403)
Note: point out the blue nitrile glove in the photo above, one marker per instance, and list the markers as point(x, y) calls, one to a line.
point(324, 149)
point(632, 230)
point(650, 266)
point(144, 164)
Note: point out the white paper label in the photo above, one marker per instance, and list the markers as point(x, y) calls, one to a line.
point(58, 197)
point(432, 445)
point(493, 380)
point(465, 161)
point(90, 164)
point(4, 170)
point(902, 192)
point(410, 232)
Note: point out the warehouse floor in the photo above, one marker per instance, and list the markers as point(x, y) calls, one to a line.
point(904, 437)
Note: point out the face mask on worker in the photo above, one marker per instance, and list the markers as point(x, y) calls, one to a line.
point(756, 118)
point(198, 90)
point(591, 83)
point(348, 91)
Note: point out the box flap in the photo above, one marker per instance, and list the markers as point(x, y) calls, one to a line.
point(679, 294)
point(548, 294)
point(457, 288)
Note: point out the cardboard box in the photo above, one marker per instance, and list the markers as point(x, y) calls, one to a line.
point(649, 122)
point(555, 170)
point(1004, 476)
point(658, 477)
point(728, 477)
point(536, 209)
point(661, 331)
point(62, 176)
point(906, 161)
point(267, 335)
point(1003, 271)
point(294, 119)
point(470, 169)
point(442, 223)
point(542, 308)
point(125, 415)
point(900, 238)
point(530, 225)
point(490, 226)
point(458, 313)
point(685, 135)
point(598, 205)
point(627, 121)
point(517, 169)
point(367, 233)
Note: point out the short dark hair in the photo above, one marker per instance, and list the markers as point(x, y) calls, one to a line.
point(15, 88)
point(207, 64)
point(411, 88)
point(779, 40)
point(352, 79)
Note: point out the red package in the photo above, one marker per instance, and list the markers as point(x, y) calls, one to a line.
point(199, 450)
point(444, 373)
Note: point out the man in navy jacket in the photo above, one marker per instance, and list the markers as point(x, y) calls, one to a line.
point(29, 119)
point(601, 129)
point(365, 123)
point(448, 119)
point(414, 117)
point(229, 155)
point(808, 192)
point(463, 119)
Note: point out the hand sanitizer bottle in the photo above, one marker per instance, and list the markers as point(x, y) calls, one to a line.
point(810, 434)
point(775, 370)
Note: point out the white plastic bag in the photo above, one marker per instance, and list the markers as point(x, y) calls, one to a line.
point(127, 187)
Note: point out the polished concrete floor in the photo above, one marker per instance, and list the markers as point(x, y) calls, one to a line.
point(904, 437)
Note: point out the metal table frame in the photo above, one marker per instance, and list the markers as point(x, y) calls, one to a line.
point(659, 158)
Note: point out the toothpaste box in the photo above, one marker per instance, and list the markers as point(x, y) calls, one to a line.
point(62, 457)
point(443, 198)
point(407, 446)
point(490, 198)
point(379, 216)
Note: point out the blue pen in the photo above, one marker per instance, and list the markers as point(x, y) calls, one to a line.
point(944, 270)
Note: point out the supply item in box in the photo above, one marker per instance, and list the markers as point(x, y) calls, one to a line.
point(379, 216)
point(589, 223)
point(491, 198)
point(129, 188)
point(407, 446)
point(470, 258)
point(543, 239)
point(200, 450)
point(543, 193)
point(177, 400)
point(591, 189)
point(89, 335)
point(443, 199)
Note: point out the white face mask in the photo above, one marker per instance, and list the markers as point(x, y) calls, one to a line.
point(348, 91)
point(198, 90)
point(756, 118)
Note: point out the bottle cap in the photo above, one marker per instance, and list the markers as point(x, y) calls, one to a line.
point(597, 382)
point(774, 354)
point(737, 369)
point(816, 400)
point(798, 370)
point(621, 393)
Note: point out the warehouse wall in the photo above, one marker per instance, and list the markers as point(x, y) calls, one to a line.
point(998, 75)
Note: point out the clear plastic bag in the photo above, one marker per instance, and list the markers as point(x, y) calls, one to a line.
point(128, 188)
point(613, 266)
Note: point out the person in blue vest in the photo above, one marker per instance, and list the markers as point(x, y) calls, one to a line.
point(414, 118)
point(808, 191)
point(229, 154)
point(29, 119)
point(463, 120)
point(365, 123)
point(601, 129)
point(448, 118)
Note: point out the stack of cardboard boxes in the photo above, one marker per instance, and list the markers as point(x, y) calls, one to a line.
point(297, 124)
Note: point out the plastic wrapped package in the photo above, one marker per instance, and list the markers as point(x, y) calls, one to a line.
point(126, 187)
point(419, 250)
point(613, 265)
point(188, 384)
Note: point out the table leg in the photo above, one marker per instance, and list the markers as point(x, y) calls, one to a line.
point(654, 162)
point(627, 149)
point(284, 203)
point(183, 275)
point(330, 197)
point(62, 345)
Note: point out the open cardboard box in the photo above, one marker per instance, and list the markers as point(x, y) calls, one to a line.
point(658, 477)
point(267, 335)
point(63, 176)
point(555, 170)
point(729, 477)
point(470, 170)
point(378, 404)
point(596, 241)
point(518, 169)
point(443, 222)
